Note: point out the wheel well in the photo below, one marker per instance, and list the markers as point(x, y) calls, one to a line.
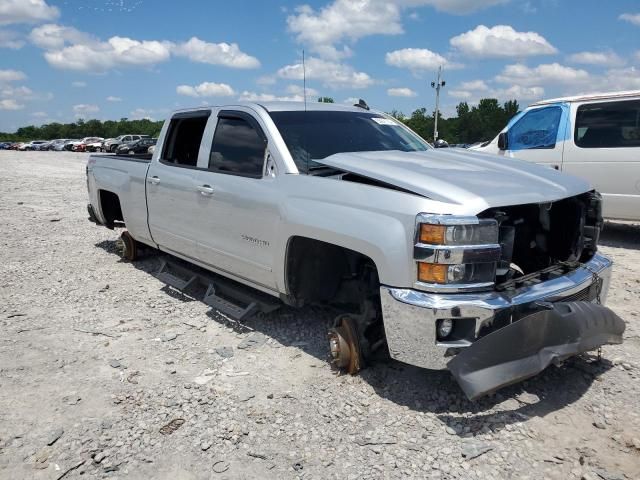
point(320, 272)
point(110, 207)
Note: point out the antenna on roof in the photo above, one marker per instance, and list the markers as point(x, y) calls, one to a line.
point(361, 104)
point(304, 81)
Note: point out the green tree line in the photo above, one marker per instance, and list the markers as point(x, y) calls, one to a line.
point(472, 124)
point(81, 128)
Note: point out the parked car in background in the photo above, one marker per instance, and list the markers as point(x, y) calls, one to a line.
point(82, 145)
point(62, 146)
point(113, 144)
point(138, 147)
point(5, 145)
point(33, 145)
point(53, 144)
point(89, 144)
point(42, 146)
point(596, 137)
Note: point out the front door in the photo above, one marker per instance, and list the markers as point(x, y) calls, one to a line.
point(237, 209)
point(538, 136)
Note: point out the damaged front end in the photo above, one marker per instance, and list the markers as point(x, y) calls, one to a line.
point(528, 346)
point(501, 296)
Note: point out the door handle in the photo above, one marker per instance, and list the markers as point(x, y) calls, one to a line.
point(205, 190)
point(153, 180)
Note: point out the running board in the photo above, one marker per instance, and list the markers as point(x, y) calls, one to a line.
point(234, 300)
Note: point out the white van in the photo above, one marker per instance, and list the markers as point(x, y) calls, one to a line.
point(596, 137)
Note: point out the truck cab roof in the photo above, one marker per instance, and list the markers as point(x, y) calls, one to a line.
point(282, 107)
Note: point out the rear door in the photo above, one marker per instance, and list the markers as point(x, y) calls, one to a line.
point(605, 150)
point(172, 182)
point(237, 210)
point(539, 134)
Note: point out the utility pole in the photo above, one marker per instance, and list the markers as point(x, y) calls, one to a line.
point(437, 85)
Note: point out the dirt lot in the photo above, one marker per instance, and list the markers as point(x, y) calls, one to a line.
point(97, 356)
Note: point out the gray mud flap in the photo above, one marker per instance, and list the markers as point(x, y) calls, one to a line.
point(529, 345)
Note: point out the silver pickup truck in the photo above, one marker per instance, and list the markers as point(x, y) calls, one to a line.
point(444, 257)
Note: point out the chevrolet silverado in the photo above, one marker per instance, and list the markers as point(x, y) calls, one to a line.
point(446, 258)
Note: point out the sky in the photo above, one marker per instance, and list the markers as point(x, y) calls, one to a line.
point(61, 60)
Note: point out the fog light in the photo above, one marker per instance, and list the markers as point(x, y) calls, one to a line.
point(444, 328)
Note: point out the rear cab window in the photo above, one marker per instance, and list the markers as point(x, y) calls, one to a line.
point(238, 146)
point(608, 125)
point(183, 138)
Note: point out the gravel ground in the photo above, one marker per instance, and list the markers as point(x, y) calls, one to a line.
point(107, 373)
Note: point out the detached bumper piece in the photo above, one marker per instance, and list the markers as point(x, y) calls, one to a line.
point(529, 345)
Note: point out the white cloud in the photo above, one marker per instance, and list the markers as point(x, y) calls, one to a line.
point(26, 11)
point(11, 76)
point(620, 79)
point(111, 98)
point(10, 104)
point(143, 114)
point(21, 92)
point(416, 59)
point(206, 89)
point(545, 74)
point(52, 36)
point(82, 110)
point(294, 89)
point(633, 18)
point(115, 52)
point(331, 74)
point(325, 30)
point(501, 41)
point(608, 59)
point(79, 84)
point(40, 114)
point(474, 90)
point(247, 96)
point(225, 54)
point(343, 19)
point(478, 85)
point(401, 92)
point(69, 48)
point(10, 39)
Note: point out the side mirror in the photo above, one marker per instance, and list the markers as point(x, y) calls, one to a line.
point(503, 141)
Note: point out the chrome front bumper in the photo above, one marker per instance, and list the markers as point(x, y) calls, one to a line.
point(410, 316)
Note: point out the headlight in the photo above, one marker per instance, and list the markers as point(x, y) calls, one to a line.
point(482, 232)
point(456, 252)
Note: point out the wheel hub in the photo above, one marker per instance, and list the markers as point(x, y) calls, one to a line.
point(344, 346)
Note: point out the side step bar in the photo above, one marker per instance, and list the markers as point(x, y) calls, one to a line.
point(236, 301)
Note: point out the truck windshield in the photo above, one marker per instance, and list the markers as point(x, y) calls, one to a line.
point(314, 135)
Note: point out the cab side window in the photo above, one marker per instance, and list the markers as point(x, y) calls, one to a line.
point(183, 139)
point(238, 146)
point(608, 125)
point(536, 129)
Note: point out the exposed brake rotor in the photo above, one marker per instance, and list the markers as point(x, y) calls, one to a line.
point(129, 247)
point(344, 345)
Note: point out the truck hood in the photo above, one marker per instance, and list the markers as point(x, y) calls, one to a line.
point(462, 177)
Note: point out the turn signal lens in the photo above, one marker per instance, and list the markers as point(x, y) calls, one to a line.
point(432, 234)
point(432, 272)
